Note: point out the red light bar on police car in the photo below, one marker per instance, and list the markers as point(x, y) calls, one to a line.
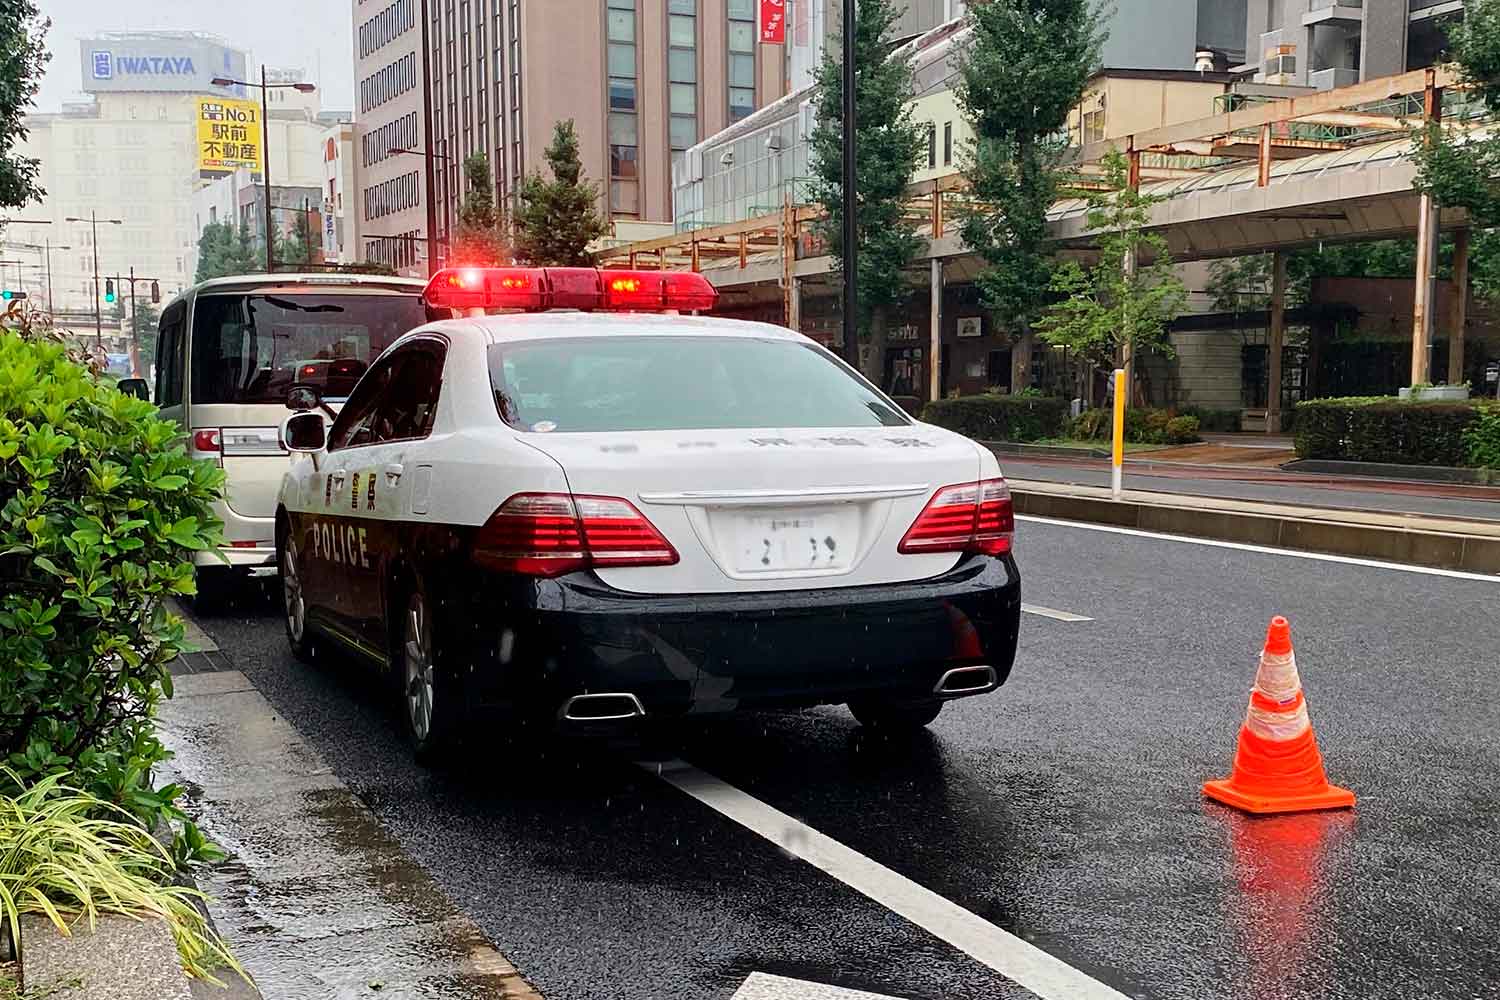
point(540, 288)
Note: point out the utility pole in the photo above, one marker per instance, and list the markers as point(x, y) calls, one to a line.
point(851, 230)
point(93, 221)
point(265, 164)
point(265, 137)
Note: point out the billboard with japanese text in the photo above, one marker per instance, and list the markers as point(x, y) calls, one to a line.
point(773, 22)
point(228, 135)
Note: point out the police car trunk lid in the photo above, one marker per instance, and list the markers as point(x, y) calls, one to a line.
point(772, 509)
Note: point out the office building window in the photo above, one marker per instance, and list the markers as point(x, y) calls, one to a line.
point(741, 58)
point(624, 137)
point(947, 142)
point(931, 144)
point(682, 70)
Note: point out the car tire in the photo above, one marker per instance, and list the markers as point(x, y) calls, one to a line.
point(431, 699)
point(895, 717)
point(215, 586)
point(299, 634)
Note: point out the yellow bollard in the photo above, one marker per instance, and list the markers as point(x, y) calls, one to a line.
point(1117, 458)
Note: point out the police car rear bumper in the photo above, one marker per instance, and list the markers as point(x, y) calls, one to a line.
point(546, 641)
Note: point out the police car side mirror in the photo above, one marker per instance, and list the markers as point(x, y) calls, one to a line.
point(304, 432)
point(303, 398)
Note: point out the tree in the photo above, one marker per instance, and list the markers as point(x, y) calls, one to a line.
point(22, 58)
point(558, 219)
point(1023, 71)
point(296, 251)
point(1455, 166)
point(480, 238)
point(1110, 308)
point(224, 249)
point(143, 329)
point(887, 142)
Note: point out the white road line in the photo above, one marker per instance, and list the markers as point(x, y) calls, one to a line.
point(1456, 574)
point(1017, 960)
point(1062, 616)
point(761, 986)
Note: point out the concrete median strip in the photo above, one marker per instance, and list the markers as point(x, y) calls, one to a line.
point(1442, 543)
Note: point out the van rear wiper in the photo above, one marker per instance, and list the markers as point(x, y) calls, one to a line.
point(322, 307)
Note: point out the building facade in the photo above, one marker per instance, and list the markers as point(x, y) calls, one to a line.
point(339, 182)
point(129, 153)
point(642, 81)
point(1335, 43)
point(387, 222)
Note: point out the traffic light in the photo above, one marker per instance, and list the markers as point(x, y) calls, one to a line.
point(109, 289)
point(10, 295)
point(155, 292)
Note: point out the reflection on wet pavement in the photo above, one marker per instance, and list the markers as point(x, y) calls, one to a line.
point(317, 899)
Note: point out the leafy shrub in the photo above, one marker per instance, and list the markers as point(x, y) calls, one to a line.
point(1482, 438)
point(1386, 430)
point(66, 854)
point(993, 417)
point(100, 508)
point(1182, 430)
point(1142, 426)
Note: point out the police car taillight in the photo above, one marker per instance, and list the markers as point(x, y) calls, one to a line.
point(540, 288)
point(549, 534)
point(969, 517)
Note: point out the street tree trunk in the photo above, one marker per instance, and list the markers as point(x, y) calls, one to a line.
point(1020, 360)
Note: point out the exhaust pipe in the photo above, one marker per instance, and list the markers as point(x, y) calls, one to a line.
point(966, 680)
point(612, 707)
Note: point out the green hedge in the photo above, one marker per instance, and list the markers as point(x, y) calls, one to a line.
point(992, 417)
point(1396, 432)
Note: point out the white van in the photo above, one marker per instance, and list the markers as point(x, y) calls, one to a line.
point(228, 352)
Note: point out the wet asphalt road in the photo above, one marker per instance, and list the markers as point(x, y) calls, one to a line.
point(1064, 809)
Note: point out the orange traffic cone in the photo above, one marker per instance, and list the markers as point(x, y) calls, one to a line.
point(1277, 767)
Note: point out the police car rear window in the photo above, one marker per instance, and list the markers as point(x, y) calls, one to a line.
point(254, 348)
point(678, 383)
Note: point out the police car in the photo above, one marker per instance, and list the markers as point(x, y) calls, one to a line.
point(576, 499)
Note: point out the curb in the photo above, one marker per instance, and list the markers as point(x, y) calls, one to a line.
point(1470, 546)
point(1014, 448)
point(1379, 470)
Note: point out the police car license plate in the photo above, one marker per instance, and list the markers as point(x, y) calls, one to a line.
point(803, 538)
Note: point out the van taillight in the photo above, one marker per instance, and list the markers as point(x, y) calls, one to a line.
point(206, 440)
point(969, 517)
point(549, 534)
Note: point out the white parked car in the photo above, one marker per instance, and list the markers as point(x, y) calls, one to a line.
point(609, 512)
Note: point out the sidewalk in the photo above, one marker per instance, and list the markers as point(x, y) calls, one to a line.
point(316, 899)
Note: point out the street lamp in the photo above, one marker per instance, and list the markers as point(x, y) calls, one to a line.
point(265, 137)
point(94, 221)
point(428, 156)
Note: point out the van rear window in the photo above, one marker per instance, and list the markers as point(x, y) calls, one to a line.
point(254, 348)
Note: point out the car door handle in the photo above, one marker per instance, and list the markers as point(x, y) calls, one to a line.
point(338, 477)
point(393, 473)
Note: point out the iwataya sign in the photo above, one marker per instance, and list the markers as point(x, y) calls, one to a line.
point(158, 61)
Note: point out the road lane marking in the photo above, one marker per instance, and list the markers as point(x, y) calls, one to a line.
point(761, 986)
point(1062, 616)
point(1456, 574)
point(1017, 960)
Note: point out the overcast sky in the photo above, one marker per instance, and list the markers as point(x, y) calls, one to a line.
point(315, 35)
